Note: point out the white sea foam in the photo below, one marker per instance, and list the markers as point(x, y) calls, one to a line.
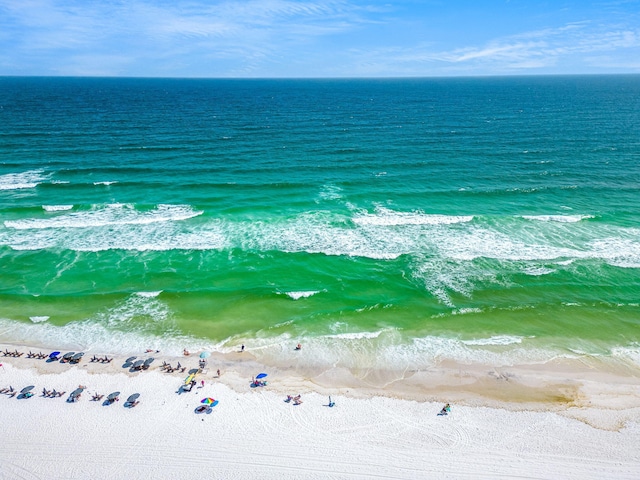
point(18, 181)
point(536, 271)
point(56, 208)
point(355, 335)
point(464, 311)
point(557, 218)
point(303, 294)
point(149, 294)
point(90, 336)
point(39, 319)
point(107, 183)
point(387, 217)
point(105, 215)
point(630, 353)
point(388, 350)
point(494, 340)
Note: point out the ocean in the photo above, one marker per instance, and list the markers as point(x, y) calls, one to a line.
point(389, 223)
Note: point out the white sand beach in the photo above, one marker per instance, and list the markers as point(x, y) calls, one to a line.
point(252, 433)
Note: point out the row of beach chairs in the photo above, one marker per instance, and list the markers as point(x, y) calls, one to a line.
point(16, 353)
point(169, 369)
point(106, 359)
point(39, 355)
point(8, 391)
point(51, 393)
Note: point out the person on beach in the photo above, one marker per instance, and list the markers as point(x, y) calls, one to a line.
point(445, 410)
point(242, 348)
point(202, 384)
point(186, 352)
point(298, 347)
point(218, 372)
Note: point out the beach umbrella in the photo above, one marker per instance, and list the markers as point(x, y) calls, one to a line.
point(27, 389)
point(149, 361)
point(204, 354)
point(261, 375)
point(67, 356)
point(132, 398)
point(138, 363)
point(208, 400)
point(113, 396)
point(130, 359)
point(54, 354)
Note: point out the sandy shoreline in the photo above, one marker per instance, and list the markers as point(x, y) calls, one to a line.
point(559, 420)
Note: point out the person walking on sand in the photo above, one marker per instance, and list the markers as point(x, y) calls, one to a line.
point(242, 348)
point(218, 373)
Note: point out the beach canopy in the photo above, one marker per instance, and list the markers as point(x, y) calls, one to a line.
point(207, 401)
point(204, 354)
point(113, 396)
point(132, 398)
point(261, 375)
point(27, 389)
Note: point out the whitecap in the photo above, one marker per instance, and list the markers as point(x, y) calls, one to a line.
point(39, 319)
point(106, 215)
point(303, 294)
point(149, 294)
point(538, 271)
point(389, 218)
point(56, 208)
point(18, 181)
point(557, 218)
point(107, 183)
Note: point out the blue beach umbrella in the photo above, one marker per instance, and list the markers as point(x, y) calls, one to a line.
point(204, 354)
point(54, 354)
point(261, 375)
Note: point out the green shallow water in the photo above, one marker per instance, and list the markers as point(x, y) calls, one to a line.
point(403, 221)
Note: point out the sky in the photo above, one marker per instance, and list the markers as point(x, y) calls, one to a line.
point(318, 38)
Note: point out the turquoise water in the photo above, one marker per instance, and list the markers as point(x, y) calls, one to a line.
point(376, 221)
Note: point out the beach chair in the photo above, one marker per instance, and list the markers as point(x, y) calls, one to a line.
point(18, 354)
